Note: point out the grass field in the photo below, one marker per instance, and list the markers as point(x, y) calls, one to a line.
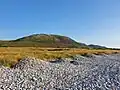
point(10, 55)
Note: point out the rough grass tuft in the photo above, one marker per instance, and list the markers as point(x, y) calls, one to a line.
point(11, 55)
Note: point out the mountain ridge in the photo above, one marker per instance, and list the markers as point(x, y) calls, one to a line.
point(46, 40)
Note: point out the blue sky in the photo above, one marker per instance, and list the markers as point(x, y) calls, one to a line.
point(88, 21)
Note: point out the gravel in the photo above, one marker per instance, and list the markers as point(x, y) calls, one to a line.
point(79, 73)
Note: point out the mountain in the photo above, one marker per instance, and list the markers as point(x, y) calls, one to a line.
point(44, 40)
point(96, 46)
point(47, 40)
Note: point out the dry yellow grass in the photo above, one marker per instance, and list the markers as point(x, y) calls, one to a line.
point(10, 55)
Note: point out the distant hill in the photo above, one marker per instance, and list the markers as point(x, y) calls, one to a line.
point(96, 46)
point(47, 40)
point(44, 40)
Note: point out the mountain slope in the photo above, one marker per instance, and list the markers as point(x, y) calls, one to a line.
point(97, 46)
point(44, 40)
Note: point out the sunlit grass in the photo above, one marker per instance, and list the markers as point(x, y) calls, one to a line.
point(10, 55)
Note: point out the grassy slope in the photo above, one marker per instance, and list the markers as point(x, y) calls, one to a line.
point(43, 40)
point(59, 47)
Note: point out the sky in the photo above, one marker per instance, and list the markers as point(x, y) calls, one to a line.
point(87, 21)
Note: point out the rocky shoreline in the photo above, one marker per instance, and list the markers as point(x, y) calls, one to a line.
point(96, 72)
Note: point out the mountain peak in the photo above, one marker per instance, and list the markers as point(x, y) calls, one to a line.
point(46, 37)
point(47, 40)
point(43, 40)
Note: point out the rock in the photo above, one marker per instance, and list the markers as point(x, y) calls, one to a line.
point(57, 61)
point(80, 73)
point(74, 62)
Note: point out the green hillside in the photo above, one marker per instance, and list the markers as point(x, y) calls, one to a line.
point(44, 40)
